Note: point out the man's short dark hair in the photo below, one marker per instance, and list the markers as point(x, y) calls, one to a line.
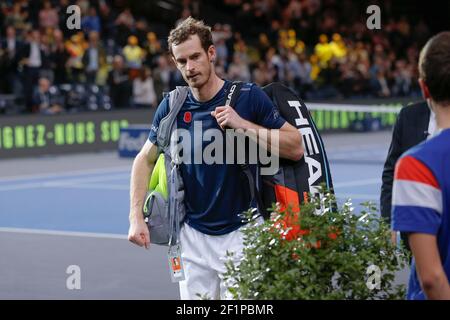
point(190, 27)
point(434, 66)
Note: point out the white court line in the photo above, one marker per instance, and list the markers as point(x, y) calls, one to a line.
point(87, 180)
point(358, 196)
point(65, 233)
point(357, 183)
point(96, 186)
point(55, 184)
point(372, 146)
point(66, 173)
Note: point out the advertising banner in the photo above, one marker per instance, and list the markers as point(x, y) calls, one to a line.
point(34, 135)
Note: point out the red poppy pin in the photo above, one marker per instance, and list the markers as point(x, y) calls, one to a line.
point(187, 117)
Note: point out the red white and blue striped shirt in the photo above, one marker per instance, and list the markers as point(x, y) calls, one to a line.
point(421, 198)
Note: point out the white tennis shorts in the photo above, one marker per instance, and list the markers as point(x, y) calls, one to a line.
point(204, 259)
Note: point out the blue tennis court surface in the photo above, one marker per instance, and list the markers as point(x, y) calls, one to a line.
point(97, 200)
point(93, 201)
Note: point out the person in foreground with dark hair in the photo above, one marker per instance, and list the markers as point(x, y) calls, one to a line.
point(421, 194)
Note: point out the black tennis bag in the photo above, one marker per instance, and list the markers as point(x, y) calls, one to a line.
point(294, 180)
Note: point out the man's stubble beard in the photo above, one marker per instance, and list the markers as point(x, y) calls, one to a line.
point(198, 86)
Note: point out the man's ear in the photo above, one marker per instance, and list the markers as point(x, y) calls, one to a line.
point(212, 54)
point(424, 88)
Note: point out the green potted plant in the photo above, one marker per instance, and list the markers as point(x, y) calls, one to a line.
point(318, 253)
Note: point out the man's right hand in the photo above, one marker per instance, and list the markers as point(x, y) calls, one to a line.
point(138, 233)
point(142, 168)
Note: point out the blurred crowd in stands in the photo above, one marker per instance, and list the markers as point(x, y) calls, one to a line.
point(320, 48)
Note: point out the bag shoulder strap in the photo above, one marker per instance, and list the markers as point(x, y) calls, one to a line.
point(167, 125)
point(232, 93)
point(231, 96)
